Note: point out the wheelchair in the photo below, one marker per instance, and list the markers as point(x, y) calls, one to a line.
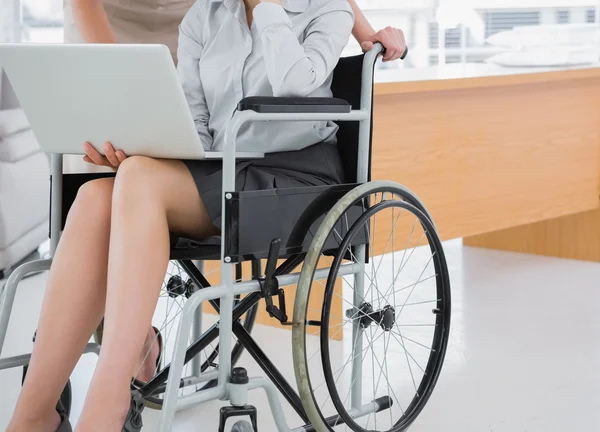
point(368, 344)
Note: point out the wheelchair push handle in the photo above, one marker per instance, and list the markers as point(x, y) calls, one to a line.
point(404, 54)
point(380, 49)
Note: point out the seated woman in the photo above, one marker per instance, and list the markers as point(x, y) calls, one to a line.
point(114, 250)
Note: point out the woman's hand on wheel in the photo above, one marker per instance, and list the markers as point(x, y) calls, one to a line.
point(112, 159)
point(392, 40)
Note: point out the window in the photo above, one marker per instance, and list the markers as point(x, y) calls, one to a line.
point(498, 21)
point(40, 20)
point(453, 37)
point(466, 34)
point(487, 33)
point(563, 16)
point(591, 16)
point(43, 20)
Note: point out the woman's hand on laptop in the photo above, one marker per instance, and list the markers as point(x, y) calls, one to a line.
point(112, 159)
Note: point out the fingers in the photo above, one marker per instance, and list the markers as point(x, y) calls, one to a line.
point(93, 155)
point(401, 41)
point(393, 41)
point(389, 42)
point(113, 157)
point(366, 46)
point(109, 152)
point(121, 156)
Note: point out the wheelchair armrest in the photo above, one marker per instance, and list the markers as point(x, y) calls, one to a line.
point(294, 105)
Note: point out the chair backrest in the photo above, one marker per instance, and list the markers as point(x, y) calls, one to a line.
point(347, 85)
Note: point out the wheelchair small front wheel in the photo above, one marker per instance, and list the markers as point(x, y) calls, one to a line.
point(242, 426)
point(369, 342)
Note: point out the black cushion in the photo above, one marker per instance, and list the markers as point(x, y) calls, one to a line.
point(264, 104)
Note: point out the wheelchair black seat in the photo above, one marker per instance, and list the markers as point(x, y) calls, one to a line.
point(254, 219)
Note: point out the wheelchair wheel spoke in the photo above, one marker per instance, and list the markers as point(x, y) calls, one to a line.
point(407, 361)
point(177, 286)
point(408, 354)
point(372, 322)
point(404, 338)
point(372, 380)
point(391, 391)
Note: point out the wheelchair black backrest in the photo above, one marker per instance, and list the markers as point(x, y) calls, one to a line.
point(347, 85)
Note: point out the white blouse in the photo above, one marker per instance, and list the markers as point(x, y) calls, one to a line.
point(291, 50)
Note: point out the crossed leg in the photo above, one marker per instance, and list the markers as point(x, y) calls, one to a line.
point(119, 279)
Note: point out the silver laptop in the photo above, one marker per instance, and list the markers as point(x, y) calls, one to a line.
point(129, 95)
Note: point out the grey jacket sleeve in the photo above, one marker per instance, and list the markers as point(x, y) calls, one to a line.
point(189, 52)
point(296, 69)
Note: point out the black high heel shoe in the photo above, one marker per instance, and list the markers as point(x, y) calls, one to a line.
point(133, 422)
point(65, 425)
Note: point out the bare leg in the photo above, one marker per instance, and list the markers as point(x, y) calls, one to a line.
point(72, 308)
point(150, 197)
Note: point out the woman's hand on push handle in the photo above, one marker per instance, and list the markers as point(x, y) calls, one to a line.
point(393, 41)
point(112, 159)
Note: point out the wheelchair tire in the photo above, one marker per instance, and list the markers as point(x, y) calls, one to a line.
point(242, 426)
point(382, 312)
point(66, 396)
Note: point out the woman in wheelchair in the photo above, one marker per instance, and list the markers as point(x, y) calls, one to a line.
point(114, 250)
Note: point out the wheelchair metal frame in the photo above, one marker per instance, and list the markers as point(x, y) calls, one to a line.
point(224, 293)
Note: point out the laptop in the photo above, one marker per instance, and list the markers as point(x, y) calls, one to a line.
point(129, 95)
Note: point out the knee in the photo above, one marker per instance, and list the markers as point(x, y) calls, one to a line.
point(134, 171)
point(134, 177)
point(93, 201)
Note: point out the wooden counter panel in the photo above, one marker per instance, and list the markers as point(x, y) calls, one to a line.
point(573, 237)
point(491, 158)
point(479, 82)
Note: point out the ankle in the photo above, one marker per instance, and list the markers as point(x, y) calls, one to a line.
point(105, 425)
point(104, 414)
point(42, 422)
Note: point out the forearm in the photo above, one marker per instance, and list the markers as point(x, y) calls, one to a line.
point(298, 68)
point(362, 29)
point(92, 21)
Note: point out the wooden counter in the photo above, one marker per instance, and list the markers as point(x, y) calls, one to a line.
point(493, 153)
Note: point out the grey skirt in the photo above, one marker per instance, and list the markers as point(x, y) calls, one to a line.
point(317, 165)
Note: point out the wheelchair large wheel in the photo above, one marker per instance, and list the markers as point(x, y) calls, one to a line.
point(369, 346)
point(177, 286)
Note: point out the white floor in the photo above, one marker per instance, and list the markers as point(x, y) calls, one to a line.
point(524, 353)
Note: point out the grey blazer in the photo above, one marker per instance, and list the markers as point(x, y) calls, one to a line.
point(290, 50)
